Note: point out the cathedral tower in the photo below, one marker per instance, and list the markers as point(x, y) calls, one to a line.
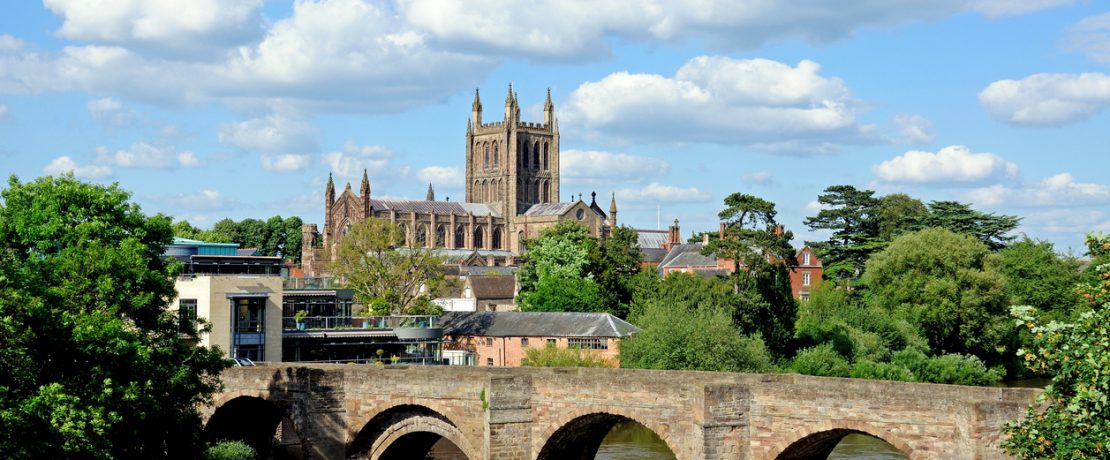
point(512, 164)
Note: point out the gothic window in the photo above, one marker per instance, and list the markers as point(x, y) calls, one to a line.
point(485, 165)
point(404, 234)
point(519, 194)
point(520, 242)
point(421, 236)
point(496, 156)
point(460, 237)
point(496, 243)
point(441, 236)
point(535, 191)
point(478, 240)
point(546, 192)
point(524, 156)
point(536, 155)
point(545, 156)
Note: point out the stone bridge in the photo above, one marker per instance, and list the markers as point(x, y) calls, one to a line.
point(363, 411)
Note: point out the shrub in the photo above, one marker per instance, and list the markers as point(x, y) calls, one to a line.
point(230, 450)
point(821, 360)
point(552, 356)
point(867, 369)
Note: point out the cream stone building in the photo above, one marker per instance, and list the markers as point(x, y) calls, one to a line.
point(512, 193)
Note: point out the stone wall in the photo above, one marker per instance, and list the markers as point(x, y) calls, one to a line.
point(529, 413)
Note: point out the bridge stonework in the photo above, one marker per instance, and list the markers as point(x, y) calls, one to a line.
point(360, 411)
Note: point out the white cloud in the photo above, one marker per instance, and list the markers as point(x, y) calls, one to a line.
point(1067, 221)
point(757, 178)
point(658, 193)
point(581, 166)
point(143, 155)
point(350, 162)
point(182, 25)
point(814, 207)
point(954, 163)
point(1091, 36)
point(65, 164)
point(201, 200)
point(1047, 98)
point(1059, 190)
point(575, 29)
point(913, 129)
point(109, 112)
point(442, 176)
point(272, 134)
point(3, 112)
point(773, 106)
point(289, 162)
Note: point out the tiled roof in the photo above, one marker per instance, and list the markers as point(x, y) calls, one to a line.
point(534, 324)
point(549, 209)
point(653, 255)
point(687, 255)
point(435, 207)
point(651, 238)
point(487, 270)
point(493, 286)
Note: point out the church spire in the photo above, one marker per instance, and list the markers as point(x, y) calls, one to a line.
point(431, 193)
point(509, 96)
point(475, 112)
point(329, 193)
point(612, 209)
point(548, 109)
point(365, 192)
point(477, 105)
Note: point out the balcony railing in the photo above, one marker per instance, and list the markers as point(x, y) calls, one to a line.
point(315, 323)
point(309, 283)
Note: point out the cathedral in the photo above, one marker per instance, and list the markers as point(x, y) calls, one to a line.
point(512, 193)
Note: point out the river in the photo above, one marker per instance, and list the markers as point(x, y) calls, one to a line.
point(629, 440)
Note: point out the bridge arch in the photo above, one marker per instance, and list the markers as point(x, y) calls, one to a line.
point(578, 433)
point(818, 440)
point(407, 431)
point(264, 424)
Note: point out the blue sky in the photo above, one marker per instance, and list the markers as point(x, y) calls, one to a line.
point(206, 109)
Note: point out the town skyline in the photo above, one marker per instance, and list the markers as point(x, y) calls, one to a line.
point(242, 109)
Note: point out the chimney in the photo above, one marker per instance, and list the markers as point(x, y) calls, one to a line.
point(721, 232)
point(778, 230)
point(673, 236)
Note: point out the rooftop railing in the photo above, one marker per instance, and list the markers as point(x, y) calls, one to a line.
point(312, 323)
point(311, 283)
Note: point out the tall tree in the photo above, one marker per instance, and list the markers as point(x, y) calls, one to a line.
point(93, 363)
point(1038, 277)
point(851, 215)
point(752, 239)
point(899, 213)
point(383, 275)
point(619, 261)
point(993, 230)
point(556, 273)
point(949, 286)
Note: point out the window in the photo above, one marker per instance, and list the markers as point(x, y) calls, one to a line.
point(805, 297)
point(805, 258)
point(496, 157)
point(805, 278)
point(460, 237)
point(524, 341)
point(524, 157)
point(536, 155)
point(489, 342)
point(479, 239)
point(251, 352)
point(187, 315)
point(489, 361)
point(551, 342)
point(496, 243)
point(441, 236)
point(545, 156)
point(249, 314)
point(485, 165)
point(588, 344)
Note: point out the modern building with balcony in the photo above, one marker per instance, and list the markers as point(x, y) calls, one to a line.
point(238, 296)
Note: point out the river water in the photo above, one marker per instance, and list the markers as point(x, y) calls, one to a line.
point(629, 440)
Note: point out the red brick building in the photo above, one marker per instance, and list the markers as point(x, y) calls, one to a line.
point(501, 338)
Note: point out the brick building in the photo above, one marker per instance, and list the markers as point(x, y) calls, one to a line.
point(501, 338)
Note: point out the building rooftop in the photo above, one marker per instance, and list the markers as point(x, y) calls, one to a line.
point(550, 209)
point(534, 324)
point(435, 207)
point(651, 238)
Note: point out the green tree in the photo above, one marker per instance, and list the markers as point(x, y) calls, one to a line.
point(1038, 277)
point(557, 271)
point(702, 338)
point(390, 279)
point(899, 213)
point(752, 239)
point(993, 230)
point(552, 356)
point(618, 263)
point(949, 286)
point(850, 214)
point(1072, 417)
point(93, 363)
point(556, 294)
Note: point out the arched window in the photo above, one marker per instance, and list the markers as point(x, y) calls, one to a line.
point(535, 191)
point(404, 234)
point(441, 236)
point(460, 237)
point(520, 242)
point(496, 156)
point(546, 192)
point(536, 155)
point(496, 237)
point(486, 147)
point(476, 192)
point(421, 236)
point(519, 192)
point(478, 240)
point(524, 157)
point(545, 167)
